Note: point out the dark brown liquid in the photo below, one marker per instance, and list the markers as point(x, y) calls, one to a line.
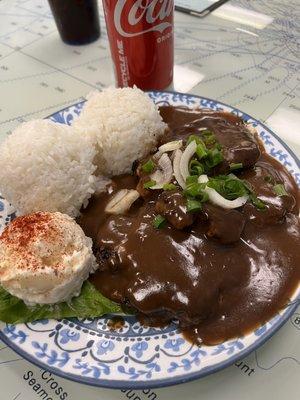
point(216, 291)
point(77, 20)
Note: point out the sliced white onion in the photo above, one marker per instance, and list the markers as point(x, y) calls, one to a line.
point(203, 179)
point(122, 201)
point(176, 168)
point(117, 197)
point(186, 158)
point(170, 146)
point(164, 174)
point(219, 200)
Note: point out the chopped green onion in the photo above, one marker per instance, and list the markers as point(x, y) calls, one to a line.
point(279, 190)
point(208, 137)
point(258, 203)
point(149, 184)
point(269, 179)
point(159, 221)
point(194, 189)
point(169, 186)
point(191, 179)
point(194, 163)
point(209, 157)
point(203, 197)
point(214, 157)
point(228, 187)
point(248, 186)
point(206, 132)
point(193, 138)
point(231, 188)
point(148, 166)
point(201, 150)
point(210, 140)
point(196, 168)
point(193, 205)
point(235, 166)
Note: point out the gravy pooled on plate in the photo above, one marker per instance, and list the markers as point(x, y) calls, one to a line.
point(220, 272)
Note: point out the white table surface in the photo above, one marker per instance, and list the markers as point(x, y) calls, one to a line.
point(247, 55)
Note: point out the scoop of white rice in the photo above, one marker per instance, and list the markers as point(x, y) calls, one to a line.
point(44, 166)
point(126, 125)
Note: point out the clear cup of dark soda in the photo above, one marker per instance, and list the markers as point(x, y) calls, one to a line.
point(77, 20)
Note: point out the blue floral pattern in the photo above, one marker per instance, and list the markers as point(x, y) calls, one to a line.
point(105, 346)
point(14, 334)
point(187, 362)
point(135, 373)
point(51, 357)
point(96, 371)
point(67, 335)
point(174, 344)
point(139, 348)
point(137, 356)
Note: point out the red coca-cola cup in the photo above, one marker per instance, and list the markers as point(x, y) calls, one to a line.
point(141, 41)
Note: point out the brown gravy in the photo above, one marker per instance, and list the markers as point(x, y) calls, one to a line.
point(115, 323)
point(216, 291)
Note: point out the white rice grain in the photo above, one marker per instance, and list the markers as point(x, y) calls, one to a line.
point(126, 125)
point(44, 166)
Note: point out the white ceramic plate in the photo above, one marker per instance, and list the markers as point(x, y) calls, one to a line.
point(135, 356)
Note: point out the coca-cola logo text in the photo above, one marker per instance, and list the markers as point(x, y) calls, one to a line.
point(144, 9)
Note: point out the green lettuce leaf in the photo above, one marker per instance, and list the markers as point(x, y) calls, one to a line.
point(90, 303)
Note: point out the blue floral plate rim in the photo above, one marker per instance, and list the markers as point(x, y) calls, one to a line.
point(264, 333)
